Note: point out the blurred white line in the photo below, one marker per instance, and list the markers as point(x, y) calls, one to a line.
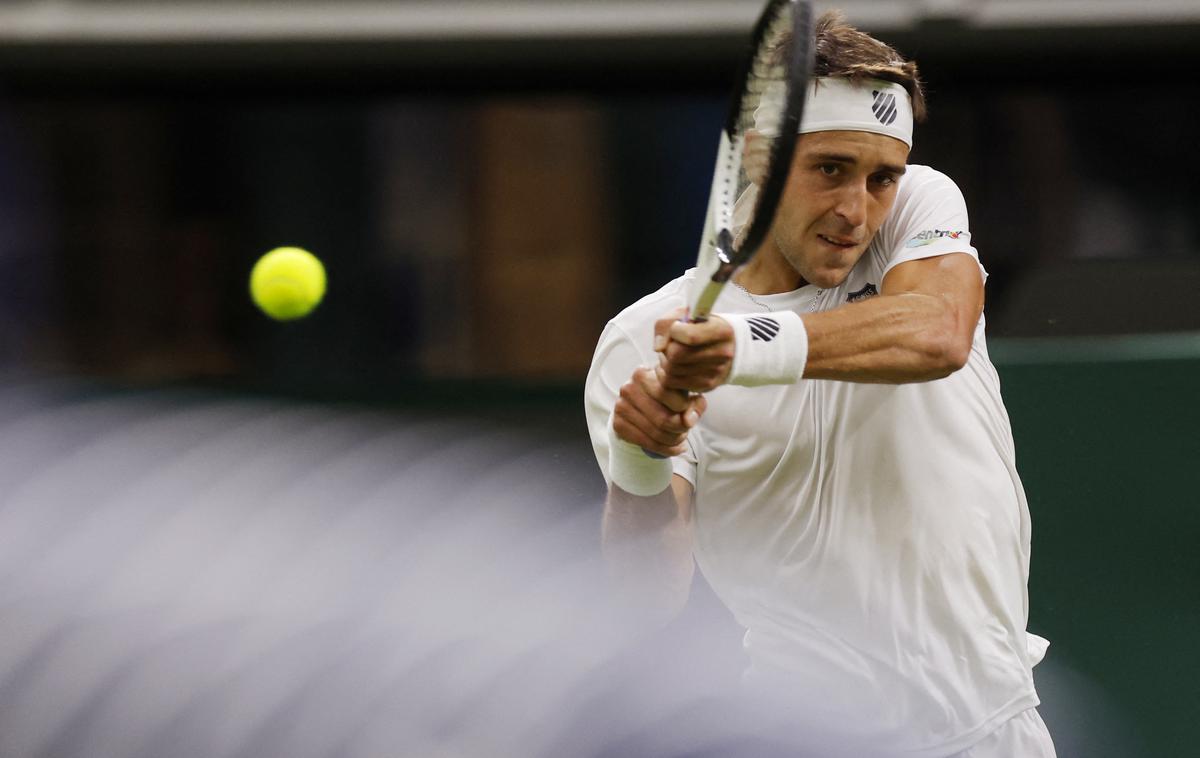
point(62, 21)
point(168, 22)
point(74, 22)
point(1083, 13)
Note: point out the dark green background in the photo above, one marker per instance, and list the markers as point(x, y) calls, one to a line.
point(1107, 448)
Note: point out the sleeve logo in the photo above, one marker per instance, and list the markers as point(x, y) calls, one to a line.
point(933, 235)
point(762, 328)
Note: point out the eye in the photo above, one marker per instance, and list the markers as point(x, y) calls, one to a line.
point(828, 169)
point(885, 180)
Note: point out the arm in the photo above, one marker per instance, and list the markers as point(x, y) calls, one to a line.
point(647, 540)
point(647, 545)
point(919, 328)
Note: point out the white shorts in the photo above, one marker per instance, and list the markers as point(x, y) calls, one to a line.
point(1023, 736)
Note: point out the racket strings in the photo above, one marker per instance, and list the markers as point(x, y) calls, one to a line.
point(760, 120)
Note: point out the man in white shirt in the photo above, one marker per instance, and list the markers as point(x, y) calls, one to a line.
point(836, 454)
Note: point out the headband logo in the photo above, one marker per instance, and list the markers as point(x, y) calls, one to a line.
point(884, 107)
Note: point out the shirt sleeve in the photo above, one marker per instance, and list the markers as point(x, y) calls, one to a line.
point(616, 357)
point(928, 220)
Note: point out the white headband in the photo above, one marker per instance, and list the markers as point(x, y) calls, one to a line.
point(872, 105)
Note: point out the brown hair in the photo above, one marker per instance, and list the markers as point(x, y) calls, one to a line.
point(844, 52)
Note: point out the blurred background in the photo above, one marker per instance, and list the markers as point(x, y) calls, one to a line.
point(487, 181)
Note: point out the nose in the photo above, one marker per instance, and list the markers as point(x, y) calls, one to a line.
point(852, 204)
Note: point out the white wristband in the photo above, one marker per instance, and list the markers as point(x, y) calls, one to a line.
point(633, 471)
point(768, 348)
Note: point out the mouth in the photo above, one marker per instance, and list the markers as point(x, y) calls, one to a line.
point(841, 242)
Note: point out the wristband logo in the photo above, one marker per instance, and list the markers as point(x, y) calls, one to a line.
point(862, 294)
point(933, 235)
point(762, 328)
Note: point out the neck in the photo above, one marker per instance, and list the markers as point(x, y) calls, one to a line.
point(768, 273)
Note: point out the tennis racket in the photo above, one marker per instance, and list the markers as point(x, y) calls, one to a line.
point(756, 147)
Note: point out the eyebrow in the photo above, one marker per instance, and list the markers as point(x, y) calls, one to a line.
point(851, 160)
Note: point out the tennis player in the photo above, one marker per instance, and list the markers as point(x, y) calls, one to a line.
point(846, 478)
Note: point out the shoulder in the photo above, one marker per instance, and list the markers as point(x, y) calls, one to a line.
point(929, 218)
point(641, 315)
point(626, 343)
point(922, 184)
point(927, 200)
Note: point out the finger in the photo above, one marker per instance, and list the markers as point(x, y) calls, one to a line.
point(677, 391)
point(656, 414)
point(678, 354)
point(663, 326)
point(692, 380)
point(697, 405)
point(635, 436)
point(651, 382)
point(662, 406)
point(702, 333)
point(632, 425)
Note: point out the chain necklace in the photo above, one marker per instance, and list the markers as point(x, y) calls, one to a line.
point(753, 299)
point(812, 307)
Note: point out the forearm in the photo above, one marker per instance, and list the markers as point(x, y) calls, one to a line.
point(891, 339)
point(647, 544)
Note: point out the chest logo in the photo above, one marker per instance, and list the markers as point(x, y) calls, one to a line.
point(884, 107)
point(862, 294)
point(762, 328)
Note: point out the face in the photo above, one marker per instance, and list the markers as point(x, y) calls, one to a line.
point(840, 189)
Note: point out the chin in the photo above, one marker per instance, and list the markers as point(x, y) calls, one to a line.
point(827, 279)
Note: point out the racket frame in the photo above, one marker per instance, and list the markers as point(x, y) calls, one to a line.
point(720, 255)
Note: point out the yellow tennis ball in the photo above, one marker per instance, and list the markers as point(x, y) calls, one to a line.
point(287, 283)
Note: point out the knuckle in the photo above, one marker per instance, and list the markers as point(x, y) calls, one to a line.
point(623, 429)
point(681, 332)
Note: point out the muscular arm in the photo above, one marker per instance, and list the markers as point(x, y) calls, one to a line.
point(920, 327)
point(647, 545)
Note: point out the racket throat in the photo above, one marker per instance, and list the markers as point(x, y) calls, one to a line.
point(724, 249)
point(726, 268)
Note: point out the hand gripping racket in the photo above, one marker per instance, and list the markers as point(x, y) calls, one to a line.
point(756, 147)
point(755, 151)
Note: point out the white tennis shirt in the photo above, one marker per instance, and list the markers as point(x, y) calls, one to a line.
point(872, 539)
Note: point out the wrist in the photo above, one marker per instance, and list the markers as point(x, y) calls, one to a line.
point(635, 472)
point(769, 348)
